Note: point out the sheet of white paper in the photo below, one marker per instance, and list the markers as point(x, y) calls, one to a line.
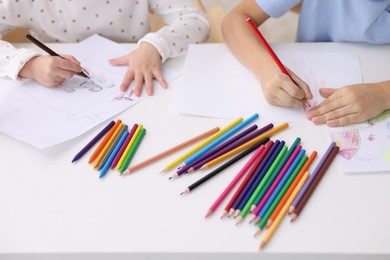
point(215, 84)
point(44, 116)
point(364, 147)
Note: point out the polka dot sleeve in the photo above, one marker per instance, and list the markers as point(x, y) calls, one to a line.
point(185, 25)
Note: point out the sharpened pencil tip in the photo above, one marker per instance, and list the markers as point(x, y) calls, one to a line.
point(209, 212)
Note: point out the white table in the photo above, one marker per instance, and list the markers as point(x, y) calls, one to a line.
point(53, 209)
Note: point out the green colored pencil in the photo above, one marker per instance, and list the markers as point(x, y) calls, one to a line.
point(275, 173)
point(271, 209)
point(132, 150)
point(249, 203)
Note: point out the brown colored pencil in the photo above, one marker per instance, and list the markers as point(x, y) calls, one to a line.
point(169, 151)
point(317, 179)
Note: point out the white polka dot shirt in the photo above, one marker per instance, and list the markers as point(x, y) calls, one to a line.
point(123, 21)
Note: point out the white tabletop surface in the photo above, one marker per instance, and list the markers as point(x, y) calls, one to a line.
point(53, 208)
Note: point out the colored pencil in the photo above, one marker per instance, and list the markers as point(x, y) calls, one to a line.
point(245, 145)
point(171, 150)
point(41, 45)
point(192, 166)
point(93, 141)
point(106, 166)
point(270, 204)
point(124, 145)
point(132, 150)
point(229, 145)
point(268, 235)
point(222, 167)
point(312, 177)
point(236, 179)
point(287, 194)
point(274, 180)
point(279, 170)
point(314, 184)
point(112, 147)
point(219, 140)
point(243, 184)
point(104, 141)
point(107, 146)
point(181, 158)
point(128, 147)
point(278, 149)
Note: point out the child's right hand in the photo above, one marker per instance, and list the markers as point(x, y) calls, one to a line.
point(280, 90)
point(50, 71)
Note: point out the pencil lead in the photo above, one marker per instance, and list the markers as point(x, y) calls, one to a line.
point(209, 212)
point(262, 245)
point(258, 231)
point(224, 213)
point(293, 217)
point(239, 220)
point(187, 190)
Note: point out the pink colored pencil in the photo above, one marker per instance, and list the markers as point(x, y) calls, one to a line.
point(261, 204)
point(123, 147)
point(247, 178)
point(235, 181)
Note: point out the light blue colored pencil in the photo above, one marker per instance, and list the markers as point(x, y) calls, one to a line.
point(220, 139)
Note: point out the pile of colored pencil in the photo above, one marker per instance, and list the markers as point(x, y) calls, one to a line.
point(277, 181)
point(117, 148)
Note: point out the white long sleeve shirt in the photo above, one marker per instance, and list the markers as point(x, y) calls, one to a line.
point(119, 20)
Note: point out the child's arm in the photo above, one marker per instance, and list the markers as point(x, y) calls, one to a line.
point(277, 87)
point(351, 104)
point(185, 24)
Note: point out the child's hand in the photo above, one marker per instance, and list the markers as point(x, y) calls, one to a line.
point(280, 90)
point(350, 104)
point(50, 71)
point(144, 66)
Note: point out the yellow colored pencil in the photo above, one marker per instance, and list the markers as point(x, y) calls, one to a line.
point(283, 212)
point(202, 144)
point(244, 146)
point(107, 146)
point(129, 145)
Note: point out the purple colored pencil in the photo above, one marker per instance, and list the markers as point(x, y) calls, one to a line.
point(123, 147)
point(311, 178)
point(217, 148)
point(277, 180)
point(93, 141)
point(233, 146)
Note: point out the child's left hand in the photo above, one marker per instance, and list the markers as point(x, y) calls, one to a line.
point(144, 66)
point(350, 104)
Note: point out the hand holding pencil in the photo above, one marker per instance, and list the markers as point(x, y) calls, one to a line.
point(51, 70)
point(280, 85)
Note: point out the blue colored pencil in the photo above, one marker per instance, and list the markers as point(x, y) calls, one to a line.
point(107, 165)
point(220, 139)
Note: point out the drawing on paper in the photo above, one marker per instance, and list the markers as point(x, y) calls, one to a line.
point(348, 141)
point(307, 75)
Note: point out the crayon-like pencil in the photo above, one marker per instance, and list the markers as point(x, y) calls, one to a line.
point(93, 141)
point(106, 166)
point(132, 151)
point(124, 145)
point(112, 147)
point(104, 141)
point(128, 147)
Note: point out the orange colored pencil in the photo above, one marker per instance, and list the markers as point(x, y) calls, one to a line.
point(104, 141)
point(170, 151)
point(291, 188)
